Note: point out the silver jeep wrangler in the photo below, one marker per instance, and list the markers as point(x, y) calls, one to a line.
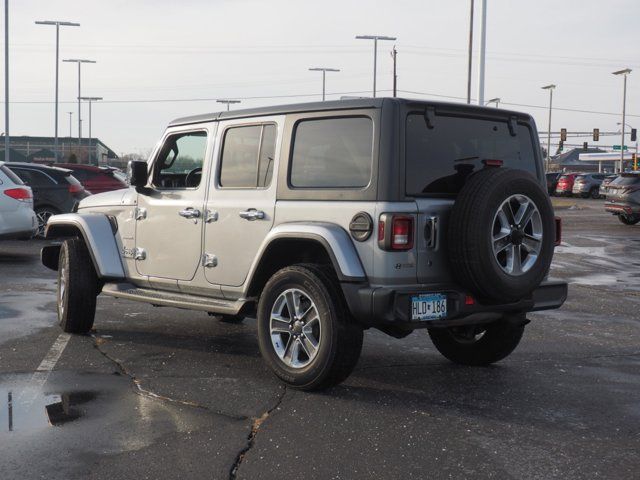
point(322, 220)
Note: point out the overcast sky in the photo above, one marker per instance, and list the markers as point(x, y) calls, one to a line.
point(156, 50)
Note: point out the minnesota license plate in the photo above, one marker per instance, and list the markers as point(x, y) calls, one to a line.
point(429, 306)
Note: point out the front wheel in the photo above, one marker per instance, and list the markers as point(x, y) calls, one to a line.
point(305, 332)
point(77, 287)
point(477, 345)
point(629, 219)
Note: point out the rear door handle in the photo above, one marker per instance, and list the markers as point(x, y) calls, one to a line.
point(252, 214)
point(189, 213)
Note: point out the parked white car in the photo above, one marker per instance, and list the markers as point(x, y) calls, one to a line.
point(17, 218)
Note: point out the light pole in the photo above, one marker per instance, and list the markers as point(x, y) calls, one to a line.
point(58, 24)
point(70, 114)
point(7, 155)
point(228, 102)
point(79, 61)
point(549, 87)
point(494, 100)
point(483, 47)
point(624, 73)
point(375, 39)
point(470, 53)
point(324, 71)
point(91, 99)
point(636, 137)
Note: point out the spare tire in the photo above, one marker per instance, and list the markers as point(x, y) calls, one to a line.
point(501, 234)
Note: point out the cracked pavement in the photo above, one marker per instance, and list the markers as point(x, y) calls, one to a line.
point(165, 393)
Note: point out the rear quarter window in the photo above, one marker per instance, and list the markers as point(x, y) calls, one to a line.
point(439, 159)
point(12, 176)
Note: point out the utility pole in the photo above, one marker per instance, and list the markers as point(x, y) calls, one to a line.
point(90, 100)
point(324, 71)
point(7, 155)
point(624, 73)
point(375, 39)
point(228, 102)
point(549, 87)
point(79, 61)
point(470, 54)
point(58, 24)
point(483, 47)
point(70, 114)
point(394, 54)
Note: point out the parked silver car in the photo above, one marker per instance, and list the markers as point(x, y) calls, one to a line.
point(588, 185)
point(325, 219)
point(17, 218)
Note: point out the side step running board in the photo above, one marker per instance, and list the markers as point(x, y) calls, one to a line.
point(173, 299)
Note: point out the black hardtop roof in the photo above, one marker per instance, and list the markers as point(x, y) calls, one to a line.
point(39, 166)
point(347, 104)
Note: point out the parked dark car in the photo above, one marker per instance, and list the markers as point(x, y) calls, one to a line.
point(587, 185)
point(605, 184)
point(55, 190)
point(623, 198)
point(565, 184)
point(552, 182)
point(95, 179)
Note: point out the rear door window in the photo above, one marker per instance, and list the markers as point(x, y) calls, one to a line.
point(332, 153)
point(439, 159)
point(248, 156)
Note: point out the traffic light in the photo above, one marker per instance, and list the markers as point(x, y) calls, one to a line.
point(634, 134)
point(560, 145)
point(563, 134)
point(596, 134)
point(585, 146)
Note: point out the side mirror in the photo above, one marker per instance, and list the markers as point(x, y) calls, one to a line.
point(137, 174)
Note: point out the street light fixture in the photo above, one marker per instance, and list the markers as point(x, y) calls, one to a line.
point(496, 100)
point(324, 71)
point(79, 61)
point(90, 100)
point(375, 39)
point(549, 87)
point(624, 73)
point(228, 102)
point(58, 24)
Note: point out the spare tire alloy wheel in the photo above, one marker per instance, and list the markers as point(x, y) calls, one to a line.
point(517, 234)
point(295, 328)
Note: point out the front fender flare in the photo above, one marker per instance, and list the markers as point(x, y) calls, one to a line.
point(95, 229)
point(334, 239)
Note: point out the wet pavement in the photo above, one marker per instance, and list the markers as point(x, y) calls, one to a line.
point(164, 393)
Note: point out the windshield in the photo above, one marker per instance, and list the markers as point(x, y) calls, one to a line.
point(439, 159)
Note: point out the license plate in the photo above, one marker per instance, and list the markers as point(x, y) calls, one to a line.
point(429, 306)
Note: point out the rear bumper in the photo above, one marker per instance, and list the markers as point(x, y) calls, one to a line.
point(383, 306)
point(625, 208)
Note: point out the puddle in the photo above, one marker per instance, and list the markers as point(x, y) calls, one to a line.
point(29, 409)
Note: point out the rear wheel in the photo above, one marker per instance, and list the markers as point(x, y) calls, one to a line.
point(77, 287)
point(629, 219)
point(43, 214)
point(477, 345)
point(305, 332)
point(595, 193)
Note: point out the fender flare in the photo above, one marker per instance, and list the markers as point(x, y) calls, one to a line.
point(335, 240)
point(98, 234)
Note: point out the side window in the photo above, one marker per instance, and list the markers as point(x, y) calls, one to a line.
point(34, 178)
point(179, 162)
point(248, 156)
point(332, 153)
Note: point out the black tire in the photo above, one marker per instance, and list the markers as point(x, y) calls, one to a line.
point(340, 342)
point(477, 345)
point(77, 287)
point(470, 234)
point(629, 219)
point(595, 193)
point(43, 213)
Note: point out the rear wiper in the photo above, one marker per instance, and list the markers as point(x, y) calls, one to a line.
point(466, 159)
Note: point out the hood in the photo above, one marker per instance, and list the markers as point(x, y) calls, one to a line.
point(126, 196)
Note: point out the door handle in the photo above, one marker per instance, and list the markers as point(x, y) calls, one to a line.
point(252, 214)
point(189, 213)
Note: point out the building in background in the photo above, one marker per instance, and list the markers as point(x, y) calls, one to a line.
point(41, 150)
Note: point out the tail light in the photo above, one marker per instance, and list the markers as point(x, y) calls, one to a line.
point(21, 194)
point(396, 232)
point(74, 188)
point(558, 231)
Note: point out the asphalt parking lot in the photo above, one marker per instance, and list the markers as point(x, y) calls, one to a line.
point(165, 393)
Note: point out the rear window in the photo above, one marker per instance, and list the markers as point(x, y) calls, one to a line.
point(12, 176)
point(438, 160)
point(624, 180)
point(565, 177)
point(332, 153)
point(580, 177)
